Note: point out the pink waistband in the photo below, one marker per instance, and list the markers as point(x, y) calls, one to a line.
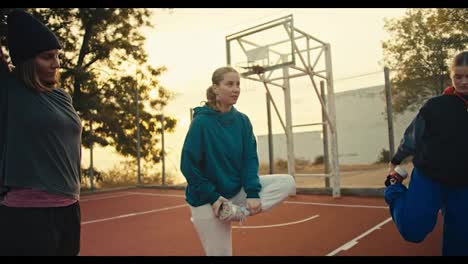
point(27, 197)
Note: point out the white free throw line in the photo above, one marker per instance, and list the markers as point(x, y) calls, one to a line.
point(278, 225)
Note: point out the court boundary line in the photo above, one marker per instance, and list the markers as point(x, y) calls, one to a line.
point(354, 241)
point(157, 194)
point(286, 202)
point(105, 197)
point(133, 214)
point(128, 194)
point(339, 205)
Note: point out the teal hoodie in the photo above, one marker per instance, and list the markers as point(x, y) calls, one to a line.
point(219, 156)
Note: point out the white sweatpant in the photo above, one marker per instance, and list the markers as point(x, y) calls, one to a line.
point(215, 235)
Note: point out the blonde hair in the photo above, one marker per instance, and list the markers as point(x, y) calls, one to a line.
point(216, 78)
point(27, 73)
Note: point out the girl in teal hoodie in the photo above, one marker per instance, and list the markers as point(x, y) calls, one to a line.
point(220, 163)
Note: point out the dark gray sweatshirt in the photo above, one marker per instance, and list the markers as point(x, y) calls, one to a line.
point(40, 139)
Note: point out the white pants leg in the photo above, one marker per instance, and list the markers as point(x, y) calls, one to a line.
point(275, 189)
point(216, 235)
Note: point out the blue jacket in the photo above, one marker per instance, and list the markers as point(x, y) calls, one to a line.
point(436, 140)
point(219, 156)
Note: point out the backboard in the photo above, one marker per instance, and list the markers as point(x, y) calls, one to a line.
point(262, 48)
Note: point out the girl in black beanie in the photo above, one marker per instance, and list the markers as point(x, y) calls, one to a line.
point(40, 147)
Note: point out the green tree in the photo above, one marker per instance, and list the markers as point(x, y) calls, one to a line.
point(101, 50)
point(384, 156)
point(3, 26)
point(319, 160)
point(419, 51)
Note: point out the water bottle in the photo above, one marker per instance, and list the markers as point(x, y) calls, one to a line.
point(398, 175)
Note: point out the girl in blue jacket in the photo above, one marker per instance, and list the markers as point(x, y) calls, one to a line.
point(437, 141)
point(220, 163)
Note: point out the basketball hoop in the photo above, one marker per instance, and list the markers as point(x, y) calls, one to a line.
point(256, 69)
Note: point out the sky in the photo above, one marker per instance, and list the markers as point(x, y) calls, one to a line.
point(190, 43)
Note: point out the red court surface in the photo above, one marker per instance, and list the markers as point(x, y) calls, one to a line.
point(153, 222)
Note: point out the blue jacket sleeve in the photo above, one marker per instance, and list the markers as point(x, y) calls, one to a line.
point(410, 140)
point(249, 174)
point(191, 165)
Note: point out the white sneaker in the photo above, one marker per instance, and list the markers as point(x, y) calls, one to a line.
point(231, 212)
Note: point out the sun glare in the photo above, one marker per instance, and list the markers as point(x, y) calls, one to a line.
point(153, 94)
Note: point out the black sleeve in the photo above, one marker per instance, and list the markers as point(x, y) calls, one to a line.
point(3, 124)
point(410, 140)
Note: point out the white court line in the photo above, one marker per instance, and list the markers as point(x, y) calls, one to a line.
point(354, 241)
point(105, 197)
point(278, 225)
point(289, 202)
point(128, 194)
point(132, 214)
point(157, 194)
point(339, 205)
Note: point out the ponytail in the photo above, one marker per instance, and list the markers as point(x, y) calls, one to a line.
point(211, 97)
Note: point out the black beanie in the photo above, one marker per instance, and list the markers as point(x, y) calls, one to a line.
point(28, 37)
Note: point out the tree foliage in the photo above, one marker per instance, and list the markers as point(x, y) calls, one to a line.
point(104, 67)
point(419, 51)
